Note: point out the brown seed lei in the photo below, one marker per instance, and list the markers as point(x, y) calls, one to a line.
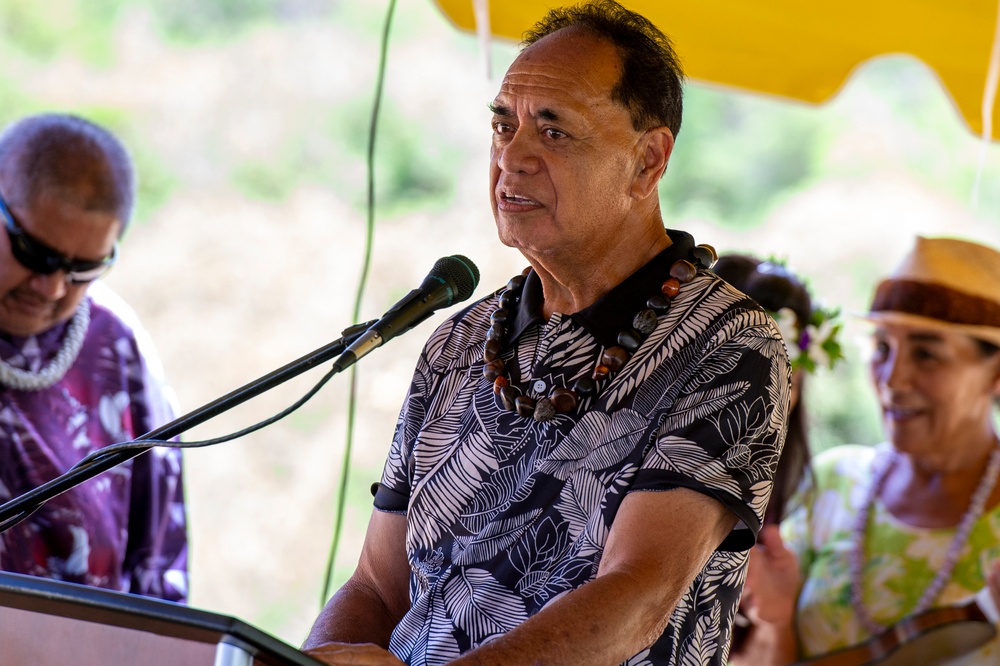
point(564, 400)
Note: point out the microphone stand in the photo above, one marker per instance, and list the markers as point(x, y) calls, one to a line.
point(24, 505)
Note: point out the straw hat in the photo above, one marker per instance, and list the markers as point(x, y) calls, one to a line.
point(943, 283)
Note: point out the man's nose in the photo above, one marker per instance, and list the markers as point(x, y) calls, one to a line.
point(53, 286)
point(520, 154)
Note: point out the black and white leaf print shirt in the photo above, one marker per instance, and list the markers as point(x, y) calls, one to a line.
point(505, 513)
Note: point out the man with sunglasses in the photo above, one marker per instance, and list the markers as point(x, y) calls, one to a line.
point(76, 370)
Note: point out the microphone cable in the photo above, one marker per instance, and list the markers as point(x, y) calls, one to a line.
point(95, 457)
point(98, 455)
point(352, 392)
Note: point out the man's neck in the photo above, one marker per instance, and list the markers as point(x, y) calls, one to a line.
point(572, 282)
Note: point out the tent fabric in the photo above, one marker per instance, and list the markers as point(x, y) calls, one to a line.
point(800, 50)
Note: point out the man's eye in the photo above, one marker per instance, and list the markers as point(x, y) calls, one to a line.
point(554, 134)
point(501, 128)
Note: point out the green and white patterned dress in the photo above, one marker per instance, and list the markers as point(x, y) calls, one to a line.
point(901, 560)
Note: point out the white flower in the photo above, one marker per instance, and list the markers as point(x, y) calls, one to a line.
point(787, 324)
point(813, 345)
point(817, 336)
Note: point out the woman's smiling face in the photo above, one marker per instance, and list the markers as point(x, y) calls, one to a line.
point(936, 390)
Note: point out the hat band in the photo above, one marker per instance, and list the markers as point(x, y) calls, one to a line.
point(936, 302)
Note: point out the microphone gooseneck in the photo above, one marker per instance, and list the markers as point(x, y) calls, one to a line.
point(451, 280)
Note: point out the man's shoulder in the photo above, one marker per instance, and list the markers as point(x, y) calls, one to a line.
point(710, 302)
point(462, 330)
point(707, 284)
point(112, 318)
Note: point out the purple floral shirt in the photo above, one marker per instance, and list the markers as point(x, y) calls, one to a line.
point(124, 529)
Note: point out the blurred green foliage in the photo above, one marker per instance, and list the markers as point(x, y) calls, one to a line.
point(273, 179)
point(736, 155)
point(409, 169)
point(841, 405)
point(14, 102)
point(197, 21)
point(412, 166)
point(86, 28)
point(44, 30)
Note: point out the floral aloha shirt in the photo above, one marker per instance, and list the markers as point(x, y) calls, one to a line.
point(505, 514)
point(901, 560)
point(125, 529)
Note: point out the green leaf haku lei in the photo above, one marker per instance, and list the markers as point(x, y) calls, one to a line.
point(816, 343)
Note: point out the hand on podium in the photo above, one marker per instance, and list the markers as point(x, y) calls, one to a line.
point(366, 654)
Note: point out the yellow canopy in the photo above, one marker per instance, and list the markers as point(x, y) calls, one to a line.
point(802, 49)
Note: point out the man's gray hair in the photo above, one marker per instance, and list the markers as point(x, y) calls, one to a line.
point(65, 152)
point(651, 86)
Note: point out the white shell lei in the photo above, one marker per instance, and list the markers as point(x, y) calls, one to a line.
point(26, 380)
point(976, 506)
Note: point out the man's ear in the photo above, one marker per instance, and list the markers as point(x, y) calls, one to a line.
point(656, 146)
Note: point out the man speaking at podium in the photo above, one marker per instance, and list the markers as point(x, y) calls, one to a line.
point(76, 369)
point(584, 458)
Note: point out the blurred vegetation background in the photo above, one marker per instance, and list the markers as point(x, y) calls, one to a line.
point(248, 121)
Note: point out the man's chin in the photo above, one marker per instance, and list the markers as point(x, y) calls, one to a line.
point(24, 325)
point(532, 241)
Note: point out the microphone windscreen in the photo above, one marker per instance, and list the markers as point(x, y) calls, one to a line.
point(459, 272)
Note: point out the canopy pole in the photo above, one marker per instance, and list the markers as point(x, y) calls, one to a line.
point(481, 9)
point(989, 104)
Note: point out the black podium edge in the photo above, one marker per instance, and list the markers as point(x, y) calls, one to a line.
point(165, 618)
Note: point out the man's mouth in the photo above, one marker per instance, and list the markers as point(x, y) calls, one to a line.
point(26, 300)
point(517, 199)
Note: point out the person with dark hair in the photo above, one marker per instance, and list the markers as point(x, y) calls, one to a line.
point(77, 371)
point(585, 456)
point(810, 332)
point(899, 553)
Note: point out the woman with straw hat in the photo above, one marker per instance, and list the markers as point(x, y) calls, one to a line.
point(898, 531)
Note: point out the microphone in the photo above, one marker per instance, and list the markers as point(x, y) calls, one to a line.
point(451, 280)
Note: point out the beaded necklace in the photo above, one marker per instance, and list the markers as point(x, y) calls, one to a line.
point(563, 400)
point(72, 343)
point(976, 506)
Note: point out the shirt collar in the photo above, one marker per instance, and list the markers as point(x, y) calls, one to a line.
point(613, 311)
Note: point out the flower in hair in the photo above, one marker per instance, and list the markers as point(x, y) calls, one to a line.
point(814, 344)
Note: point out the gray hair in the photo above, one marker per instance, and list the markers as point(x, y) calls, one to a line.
point(67, 153)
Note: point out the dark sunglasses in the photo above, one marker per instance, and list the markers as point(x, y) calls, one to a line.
point(39, 258)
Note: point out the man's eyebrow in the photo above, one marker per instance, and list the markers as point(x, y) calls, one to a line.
point(499, 110)
point(505, 112)
point(548, 114)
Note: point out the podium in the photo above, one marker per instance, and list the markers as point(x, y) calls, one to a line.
point(45, 622)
